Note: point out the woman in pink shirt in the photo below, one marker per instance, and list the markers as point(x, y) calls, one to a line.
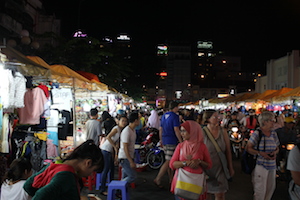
point(191, 154)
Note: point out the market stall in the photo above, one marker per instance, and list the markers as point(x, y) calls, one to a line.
point(23, 103)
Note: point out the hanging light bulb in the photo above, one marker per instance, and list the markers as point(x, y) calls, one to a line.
point(25, 40)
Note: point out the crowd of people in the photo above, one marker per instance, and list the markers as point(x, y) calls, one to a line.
point(197, 142)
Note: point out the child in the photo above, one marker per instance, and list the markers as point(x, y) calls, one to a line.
point(14, 179)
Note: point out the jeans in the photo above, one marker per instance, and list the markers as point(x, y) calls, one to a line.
point(128, 174)
point(108, 166)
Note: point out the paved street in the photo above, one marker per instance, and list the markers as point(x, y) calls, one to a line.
point(240, 187)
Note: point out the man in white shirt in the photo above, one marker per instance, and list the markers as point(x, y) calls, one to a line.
point(126, 151)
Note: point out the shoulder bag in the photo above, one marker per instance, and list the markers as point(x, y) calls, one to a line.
point(248, 161)
point(189, 185)
point(221, 155)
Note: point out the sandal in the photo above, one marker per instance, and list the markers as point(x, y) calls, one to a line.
point(103, 193)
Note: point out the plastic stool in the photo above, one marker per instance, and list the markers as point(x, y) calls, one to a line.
point(90, 181)
point(132, 185)
point(98, 180)
point(117, 185)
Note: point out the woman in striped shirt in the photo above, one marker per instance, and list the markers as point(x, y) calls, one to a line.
point(264, 174)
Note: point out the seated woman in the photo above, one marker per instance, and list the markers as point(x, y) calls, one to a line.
point(61, 181)
point(14, 179)
point(191, 154)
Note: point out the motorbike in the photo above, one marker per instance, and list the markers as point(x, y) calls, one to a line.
point(236, 139)
point(282, 157)
point(149, 151)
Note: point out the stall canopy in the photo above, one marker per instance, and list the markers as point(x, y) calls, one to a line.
point(276, 94)
point(231, 98)
point(260, 96)
point(243, 97)
point(64, 74)
point(288, 95)
point(26, 66)
point(80, 81)
point(90, 76)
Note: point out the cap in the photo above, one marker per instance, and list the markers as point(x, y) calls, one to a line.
point(289, 120)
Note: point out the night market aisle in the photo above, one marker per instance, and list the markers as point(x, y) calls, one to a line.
point(240, 187)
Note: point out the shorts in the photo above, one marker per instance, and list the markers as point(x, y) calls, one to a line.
point(169, 151)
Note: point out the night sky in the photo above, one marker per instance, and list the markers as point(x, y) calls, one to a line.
point(255, 31)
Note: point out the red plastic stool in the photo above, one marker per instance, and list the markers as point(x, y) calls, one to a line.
point(132, 185)
point(90, 181)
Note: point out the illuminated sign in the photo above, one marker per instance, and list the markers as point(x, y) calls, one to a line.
point(162, 50)
point(163, 74)
point(200, 54)
point(107, 39)
point(204, 45)
point(123, 37)
point(223, 95)
point(178, 94)
point(79, 34)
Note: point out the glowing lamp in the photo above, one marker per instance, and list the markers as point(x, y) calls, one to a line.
point(24, 33)
point(163, 74)
point(35, 45)
point(25, 40)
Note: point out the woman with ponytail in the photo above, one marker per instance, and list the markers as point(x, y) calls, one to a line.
point(14, 179)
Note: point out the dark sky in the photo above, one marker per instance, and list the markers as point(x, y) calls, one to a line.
point(255, 31)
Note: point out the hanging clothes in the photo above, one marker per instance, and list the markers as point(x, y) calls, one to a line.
point(63, 128)
point(34, 101)
point(13, 89)
point(5, 88)
point(6, 128)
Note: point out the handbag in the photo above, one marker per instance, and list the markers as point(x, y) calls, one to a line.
point(220, 153)
point(189, 185)
point(248, 161)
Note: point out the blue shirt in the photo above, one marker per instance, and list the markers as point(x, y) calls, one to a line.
point(269, 143)
point(168, 121)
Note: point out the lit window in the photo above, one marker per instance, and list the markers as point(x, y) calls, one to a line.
point(240, 73)
point(202, 75)
point(224, 61)
point(200, 54)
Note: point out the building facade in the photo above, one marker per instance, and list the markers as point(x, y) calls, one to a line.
point(26, 20)
point(281, 72)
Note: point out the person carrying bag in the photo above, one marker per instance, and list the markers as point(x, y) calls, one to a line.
point(189, 159)
point(221, 155)
point(218, 144)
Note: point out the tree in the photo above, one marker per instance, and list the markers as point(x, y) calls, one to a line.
point(85, 54)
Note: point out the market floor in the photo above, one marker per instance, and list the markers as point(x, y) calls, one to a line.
point(240, 187)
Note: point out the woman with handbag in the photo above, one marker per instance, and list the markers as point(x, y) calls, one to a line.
point(190, 156)
point(218, 144)
point(264, 173)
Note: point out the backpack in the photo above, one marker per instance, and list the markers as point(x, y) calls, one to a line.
point(248, 161)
